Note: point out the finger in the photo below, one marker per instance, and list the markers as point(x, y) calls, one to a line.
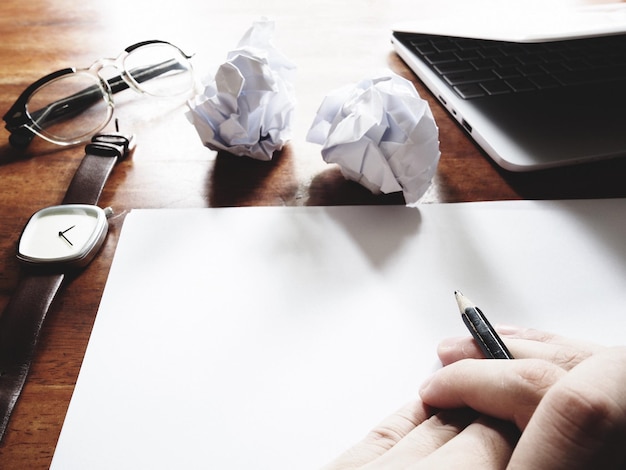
point(581, 422)
point(455, 349)
point(424, 439)
point(532, 335)
point(485, 444)
point(509, 390)
point(523, 343)
point(383, 437)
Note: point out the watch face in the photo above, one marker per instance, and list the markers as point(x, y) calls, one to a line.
point(66, 234)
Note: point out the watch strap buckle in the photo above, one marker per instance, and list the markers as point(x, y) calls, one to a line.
point(111, 145)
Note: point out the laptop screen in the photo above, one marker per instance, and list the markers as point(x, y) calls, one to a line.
point(528, 21)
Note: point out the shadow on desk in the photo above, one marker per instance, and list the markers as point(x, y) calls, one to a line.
point(243, 181)
point(331, 188)
point(10, 154)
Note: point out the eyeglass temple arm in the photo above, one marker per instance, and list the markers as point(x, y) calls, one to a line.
point(78, 102)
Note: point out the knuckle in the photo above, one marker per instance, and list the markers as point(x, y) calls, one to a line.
point(532, 381)
point(568, 358)
point(384, 436)
point(535, 377)
point(391, 431)
point(538, 335)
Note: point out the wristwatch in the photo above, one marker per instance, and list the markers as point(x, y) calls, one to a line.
point(56, 241)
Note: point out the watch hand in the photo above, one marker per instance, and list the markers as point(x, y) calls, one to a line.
point(62, 235)
point(68, 229)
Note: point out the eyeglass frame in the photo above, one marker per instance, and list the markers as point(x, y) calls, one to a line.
point(22, 127)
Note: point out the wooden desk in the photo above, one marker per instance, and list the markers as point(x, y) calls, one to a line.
point(332, 43)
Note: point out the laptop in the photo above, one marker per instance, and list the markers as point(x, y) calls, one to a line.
point(534, 92)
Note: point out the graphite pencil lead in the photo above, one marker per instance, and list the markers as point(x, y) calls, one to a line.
point(462, 301)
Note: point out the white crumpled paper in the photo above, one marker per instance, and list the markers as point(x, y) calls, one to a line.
point(247, 108)
point(381, 134)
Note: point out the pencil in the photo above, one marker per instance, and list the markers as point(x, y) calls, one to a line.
point(485, 335)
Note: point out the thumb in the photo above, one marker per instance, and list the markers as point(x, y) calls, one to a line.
point(581, 421)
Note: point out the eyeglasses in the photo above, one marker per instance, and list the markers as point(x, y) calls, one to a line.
point(69, 106)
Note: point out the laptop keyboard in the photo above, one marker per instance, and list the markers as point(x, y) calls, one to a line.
point(476, 68)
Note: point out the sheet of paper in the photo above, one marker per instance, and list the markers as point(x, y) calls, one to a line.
point(276, 337)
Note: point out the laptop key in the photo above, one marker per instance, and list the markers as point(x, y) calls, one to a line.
point(474, 76)
point(506, 61)
point(453, 67)
point(543, 82)
point(444, 45)
point(470, 90)
point(440, 58)
point(531, 70)
point(496, 87)
point(507, 72)
point(520, 84)
point(484, 64)
point(468, 54)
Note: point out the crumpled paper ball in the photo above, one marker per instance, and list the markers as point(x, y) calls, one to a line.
point(247, 108)
point(381, 133)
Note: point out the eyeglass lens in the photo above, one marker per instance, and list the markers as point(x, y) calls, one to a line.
point(73, 107)
point(55, 107)
point(159, 70)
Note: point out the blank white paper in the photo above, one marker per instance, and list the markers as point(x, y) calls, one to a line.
point(276, 337)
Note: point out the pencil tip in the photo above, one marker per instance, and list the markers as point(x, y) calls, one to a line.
point(462, 301)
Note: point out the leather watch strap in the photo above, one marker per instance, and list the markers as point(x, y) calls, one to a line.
point(101, 155)
point(89, 179)
point(20, 325)
point(21, 321)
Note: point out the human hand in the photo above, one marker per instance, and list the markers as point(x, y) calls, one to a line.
point(568, 397)
point(415, 438)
